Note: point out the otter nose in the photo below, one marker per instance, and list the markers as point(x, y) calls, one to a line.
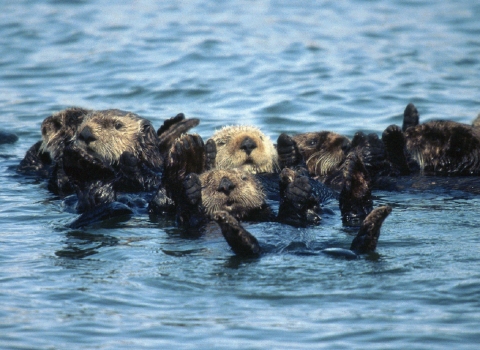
point(225, 186)
point(248, 145)
point(86, 135)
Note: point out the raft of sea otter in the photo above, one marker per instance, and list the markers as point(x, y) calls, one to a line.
point(113, 160)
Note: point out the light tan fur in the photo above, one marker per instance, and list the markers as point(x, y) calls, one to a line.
point(246, 195)
point(263, 158)
point(115, 132)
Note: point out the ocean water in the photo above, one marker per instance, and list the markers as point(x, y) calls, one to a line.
point(284, 66)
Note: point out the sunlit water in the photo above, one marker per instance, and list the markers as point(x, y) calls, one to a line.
point(284, 66)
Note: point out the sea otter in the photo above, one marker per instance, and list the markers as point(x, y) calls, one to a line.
point(443, 148)
point(44, 158)
point(243, 243)
point(198, 192)
point(116, 152)
point(339, 163)
point(245, 147)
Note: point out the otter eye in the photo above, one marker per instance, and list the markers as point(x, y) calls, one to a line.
point(312, 142)
point(146, 128)
point(118, 125)
point(221, 143)
point(244, 177)
point(57, 125)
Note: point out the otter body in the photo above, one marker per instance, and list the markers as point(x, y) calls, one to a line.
point(443, 148)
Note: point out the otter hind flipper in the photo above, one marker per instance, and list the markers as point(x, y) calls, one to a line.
point(172, 129)
point(367, 236)
point(395, 148)
point(410, 117)
point(242, 242)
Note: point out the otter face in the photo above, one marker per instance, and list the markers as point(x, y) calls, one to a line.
point(234, 191)
point(323, 151)
point(108, 134)
point(59, 128)
point(245, 147)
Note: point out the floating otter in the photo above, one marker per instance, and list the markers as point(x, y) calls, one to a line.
point(44, 158)
point(198, 192)
point(339, 163)
point(444, 148)
point(245, 147)
point(115, 151)
point(243, 243)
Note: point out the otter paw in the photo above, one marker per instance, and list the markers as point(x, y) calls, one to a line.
point(187, 155)
point(81, 166)
point(193, 189)
point(242, 242)
point(355, 200)
point(211, 154)
point(288, 154)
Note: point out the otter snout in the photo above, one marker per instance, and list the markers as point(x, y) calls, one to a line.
point(86, 135)
point(248, 145)
point(226, 185)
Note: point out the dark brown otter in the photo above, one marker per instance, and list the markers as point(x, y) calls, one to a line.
point(444, 148)
point(323, 151)
point(243, 243)
point(44, 159)
point(338, 163)
point(245, 147)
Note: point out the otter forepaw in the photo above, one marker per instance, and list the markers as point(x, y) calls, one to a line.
point(355, 200)
point(242, 242)
point(193, 189)
point(211, 154)
point(288, 154)
point(187, 155)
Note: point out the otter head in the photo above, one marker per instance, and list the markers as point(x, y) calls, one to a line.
point(233, 190)
point(323, 151)
point(245, 147)
point(106, 135)
point(59, 128)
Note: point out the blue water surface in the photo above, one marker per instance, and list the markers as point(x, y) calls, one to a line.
point(284, 66)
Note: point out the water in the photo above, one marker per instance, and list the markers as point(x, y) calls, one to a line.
point(280, 65)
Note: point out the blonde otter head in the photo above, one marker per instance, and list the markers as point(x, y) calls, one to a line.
point(59, 128)
point(233, 190)
point(245, 147)
point(108, 134)
point(323, 151)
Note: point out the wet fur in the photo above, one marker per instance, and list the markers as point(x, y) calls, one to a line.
point(323, 151)
point(229, 141)
point(110, 133)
